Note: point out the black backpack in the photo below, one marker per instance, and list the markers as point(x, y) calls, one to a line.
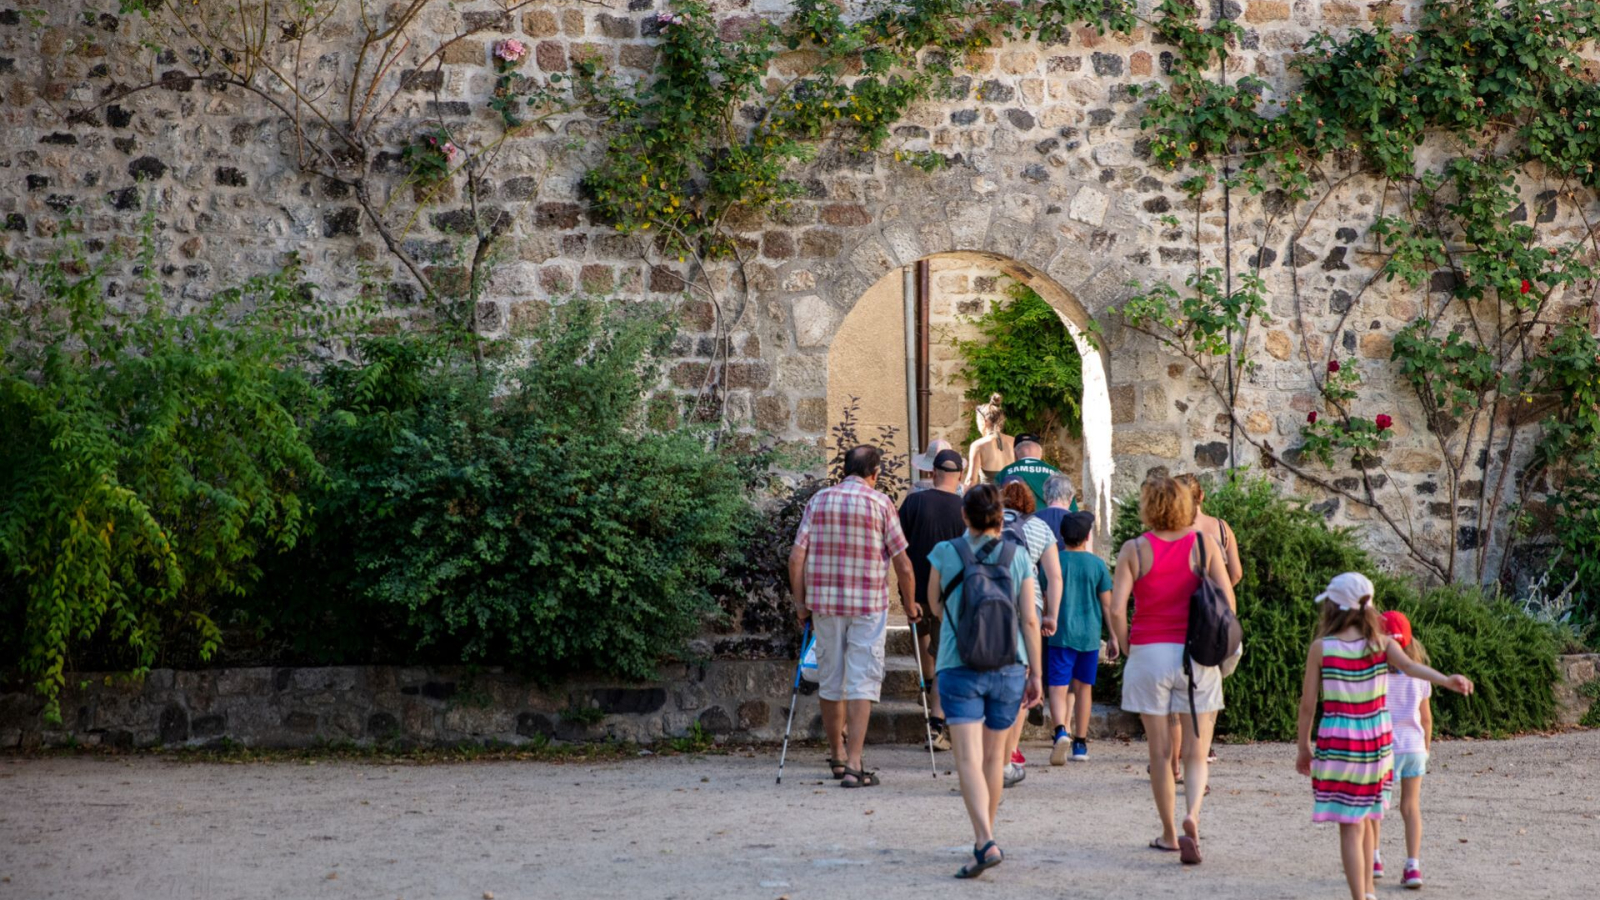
point(1214, 632)
point(986, 629)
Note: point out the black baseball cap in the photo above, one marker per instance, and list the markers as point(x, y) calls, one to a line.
point(947, 461)
point(1076, 527)
point(1028, 438)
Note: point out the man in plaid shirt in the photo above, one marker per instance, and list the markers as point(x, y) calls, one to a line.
point(839, 576)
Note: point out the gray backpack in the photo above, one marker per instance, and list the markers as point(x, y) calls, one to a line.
point(986, 629)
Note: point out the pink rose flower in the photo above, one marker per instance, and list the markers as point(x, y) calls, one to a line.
point(450, 151)
point(510, 50)
point(667, 18)
point(1383, 422)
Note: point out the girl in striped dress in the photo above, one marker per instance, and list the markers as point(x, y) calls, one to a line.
point(1353, 764)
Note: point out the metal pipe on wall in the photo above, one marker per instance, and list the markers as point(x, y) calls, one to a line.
point(913, 429)
point(924, 389)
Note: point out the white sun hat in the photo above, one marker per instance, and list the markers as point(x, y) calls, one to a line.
point(1346, 590)
point(924, 463)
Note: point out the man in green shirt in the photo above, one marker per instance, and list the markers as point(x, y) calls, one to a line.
point(1030, 468)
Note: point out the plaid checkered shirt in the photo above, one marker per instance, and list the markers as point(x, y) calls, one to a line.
point(850, 531)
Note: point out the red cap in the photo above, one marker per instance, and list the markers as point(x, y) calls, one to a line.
point(1399, 627)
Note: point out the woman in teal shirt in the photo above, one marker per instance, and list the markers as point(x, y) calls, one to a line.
point(980, 706)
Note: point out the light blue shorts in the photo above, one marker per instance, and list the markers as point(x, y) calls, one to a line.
point(1410, 765)
point(992, 697)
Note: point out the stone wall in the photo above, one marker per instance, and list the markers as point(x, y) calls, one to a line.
point(730, 700)
point(306, 707)
point(1579, 672)
point(1046, 169)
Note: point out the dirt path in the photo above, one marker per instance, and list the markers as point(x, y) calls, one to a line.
point(1505, 819)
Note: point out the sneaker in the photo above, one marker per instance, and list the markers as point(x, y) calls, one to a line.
point(1017, 758)
point(1014, 774)
point(941, 737)
point(1411, 877)
point(1080, 750)
point(1377, 868)
point(1058, 752)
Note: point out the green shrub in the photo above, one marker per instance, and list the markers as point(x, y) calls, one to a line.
point(527, 517)
point(1509, 656)
point(148, 459)
point(1288, 553)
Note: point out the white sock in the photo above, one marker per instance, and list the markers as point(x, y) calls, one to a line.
point(1413, 862)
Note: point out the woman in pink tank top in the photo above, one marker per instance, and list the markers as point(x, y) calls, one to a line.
point(1159, 571)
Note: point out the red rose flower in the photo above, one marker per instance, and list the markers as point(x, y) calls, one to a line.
point(1333, 366)
point(1311, 417)
point(1383, 422)
point(1526, 287)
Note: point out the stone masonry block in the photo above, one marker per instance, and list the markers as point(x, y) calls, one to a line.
point(1088, 206)
point(1261, 11)
point(540, 23)
point(466, 52)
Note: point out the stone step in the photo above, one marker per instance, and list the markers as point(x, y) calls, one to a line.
point(901, 722)
point(898, 641)
point(900, 680)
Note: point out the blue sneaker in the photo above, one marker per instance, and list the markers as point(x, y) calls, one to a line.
point(1058, 751)
point(1080, 750)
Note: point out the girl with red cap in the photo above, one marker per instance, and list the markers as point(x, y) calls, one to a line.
point(1412, 715)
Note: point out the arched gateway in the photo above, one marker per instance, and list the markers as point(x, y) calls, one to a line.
point(867, 360)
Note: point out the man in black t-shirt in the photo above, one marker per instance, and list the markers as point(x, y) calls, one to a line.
point(928, 518)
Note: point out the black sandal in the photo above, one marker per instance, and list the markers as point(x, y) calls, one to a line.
point(983, 862)
point(837, 766)
point(862, 777)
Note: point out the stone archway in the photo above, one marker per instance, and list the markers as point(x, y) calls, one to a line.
point(866, 360)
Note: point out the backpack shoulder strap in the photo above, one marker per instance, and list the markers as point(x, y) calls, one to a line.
point(964, 551)
point(1200, 541)
point(1008, 551)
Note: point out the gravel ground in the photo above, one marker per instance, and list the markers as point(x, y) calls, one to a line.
point(1516, 818)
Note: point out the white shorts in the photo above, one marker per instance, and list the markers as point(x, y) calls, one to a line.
point(1153, 683)
point(850, 655)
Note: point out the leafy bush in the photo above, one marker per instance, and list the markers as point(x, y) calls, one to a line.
point(1510, 656)
point(148, 459)
point(1026, 354)
point(1289, 553)
point(526, 517)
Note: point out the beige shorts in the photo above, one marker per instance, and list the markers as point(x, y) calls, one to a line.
point(850, 655)
point(1153, 682)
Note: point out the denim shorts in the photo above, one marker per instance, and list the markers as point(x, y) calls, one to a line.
point(992, 697)
point(1410, 765)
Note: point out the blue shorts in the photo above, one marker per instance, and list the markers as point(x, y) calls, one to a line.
point(1064, 665)
point(993, 697)
point(1410, 765)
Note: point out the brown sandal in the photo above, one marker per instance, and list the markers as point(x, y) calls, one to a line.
point(837, 767)
point(862, 777)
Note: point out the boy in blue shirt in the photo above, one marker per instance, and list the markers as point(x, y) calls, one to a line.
point(1072, 653)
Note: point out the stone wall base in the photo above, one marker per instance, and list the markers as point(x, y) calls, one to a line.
point(1576, 671)
point(734, 700)
point(730, 700)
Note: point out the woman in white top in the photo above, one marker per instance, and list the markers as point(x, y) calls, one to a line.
point(992, 451)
